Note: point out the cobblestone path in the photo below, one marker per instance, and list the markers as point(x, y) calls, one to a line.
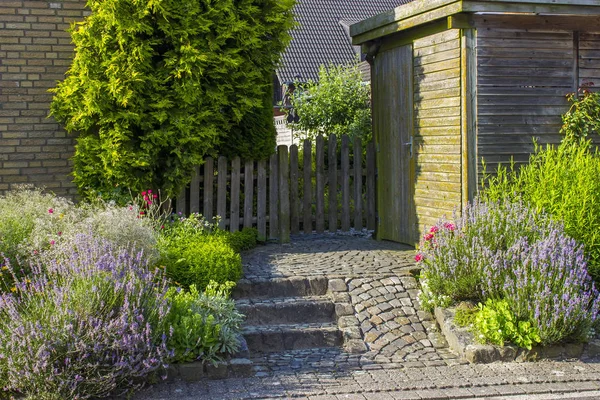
point(396, 349)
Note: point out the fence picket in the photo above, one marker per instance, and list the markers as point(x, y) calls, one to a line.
point(320, 192)
point(273, 199)
point(209, 176)
point(307, 204)
point(261, 200)
point(358, 207)
point(195, 191)
point(371, 216)
point(234, 219)
point(248, 193)
point(294, 199)
point(333, 172)
point(284, 194)
point(345, 178)
point(222, 191)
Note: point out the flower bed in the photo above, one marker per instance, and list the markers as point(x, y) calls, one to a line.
point(87, 304)
point(527, 277)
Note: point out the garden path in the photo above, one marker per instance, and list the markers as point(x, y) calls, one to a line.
point(403, 356)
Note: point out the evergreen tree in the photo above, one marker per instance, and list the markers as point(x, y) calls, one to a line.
point(156, 85)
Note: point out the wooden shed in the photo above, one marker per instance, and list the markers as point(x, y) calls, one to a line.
point(458, 81)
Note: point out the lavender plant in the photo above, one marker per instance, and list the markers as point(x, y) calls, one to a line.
point(88, 326)
point(510, 253)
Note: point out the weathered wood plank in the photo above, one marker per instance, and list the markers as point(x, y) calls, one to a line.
point(320, 192)
point(248, 193)
point(234, 216)
point(261, 200)
point(358, 192)
point(209, 176)
point(195, 191)
point(307, 195)
point(371, 169)
point(294, 194)
point(333, 188)
point(437, 57)
point(345, 183)
point(273, 197)
point(284, 194)
point(222, 191)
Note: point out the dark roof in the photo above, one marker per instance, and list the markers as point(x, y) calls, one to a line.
point(322, 35)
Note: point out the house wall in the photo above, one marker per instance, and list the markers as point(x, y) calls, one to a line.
point(437, 126)
point(35, 52)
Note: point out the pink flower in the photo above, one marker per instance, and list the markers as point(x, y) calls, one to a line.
point(130, 208)
point(142, 213)
point(449, 226)
point(144, 193)
point(50, 211)
point(434, 229)
point(52, 242)
point(428, 236)
point(149, 191)
point(59, 233)
point(162, 227)
point(155, 196)
point(419, 257)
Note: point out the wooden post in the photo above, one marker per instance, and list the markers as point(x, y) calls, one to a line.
point(345, 178)
point(284, 195)
point(209, 176)
point(234, 219)
point(294, 196)
point(371, 212)
point(261, 200)
point(273, 199)
point(357, 184)
point(195, 191)
point(180, 205)
point(222, 191)
point(248, 193)
point(307, 208)
point(320, 193)
point(333, 190)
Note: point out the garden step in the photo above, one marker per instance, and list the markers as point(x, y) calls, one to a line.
point(281, 287)
point(288, 310)
point(275, 338)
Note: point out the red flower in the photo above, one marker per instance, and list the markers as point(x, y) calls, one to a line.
point(428, 236)
point(155, 196)
point(142, 213)
point(434, 229)
point(144, 193)
point(162, 227)
point(449, 226)
point(419, 257)
point(59, 233)
point(50, 210)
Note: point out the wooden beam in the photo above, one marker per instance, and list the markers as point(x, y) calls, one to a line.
point(468, 115)
point(558, 7)
point(460, 21)
point(410, 35)
point(544, 22)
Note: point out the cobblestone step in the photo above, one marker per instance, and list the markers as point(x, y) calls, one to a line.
point(276, 338)
point(280, 287)
point(288, 310)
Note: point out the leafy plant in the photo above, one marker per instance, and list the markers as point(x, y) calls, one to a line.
point(339, 103)
point(563, 182)
point(155, 86)
point(205, 326)
point(88, 326)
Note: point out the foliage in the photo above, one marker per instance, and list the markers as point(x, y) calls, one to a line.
point(204, 325)
point(241, 240)
point(156, 85)
point(563, 182)
point(508, 252)
point(583, 118)
point(86, 327)
point(339, 103)
point(194, 252)
point(495, 323)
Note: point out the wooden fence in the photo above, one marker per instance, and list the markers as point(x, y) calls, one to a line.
point(329, 186)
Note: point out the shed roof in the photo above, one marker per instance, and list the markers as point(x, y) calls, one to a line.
point(322, 35)
point(420, 12)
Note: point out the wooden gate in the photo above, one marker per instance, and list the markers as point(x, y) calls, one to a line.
point(392, 80)
point(329, 186)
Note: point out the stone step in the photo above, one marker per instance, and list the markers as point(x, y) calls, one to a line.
point(280, 287)
point(275, 338)
point(288, 310)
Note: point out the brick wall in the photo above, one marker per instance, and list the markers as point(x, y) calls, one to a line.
point(35, 52)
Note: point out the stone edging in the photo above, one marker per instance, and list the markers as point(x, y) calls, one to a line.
point(462, 342)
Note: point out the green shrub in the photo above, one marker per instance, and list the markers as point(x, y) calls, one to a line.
point(563, 182)
point(205, 326)
point(195, 252)
point(243, 240)
point(156, 86)
point(583, 118)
